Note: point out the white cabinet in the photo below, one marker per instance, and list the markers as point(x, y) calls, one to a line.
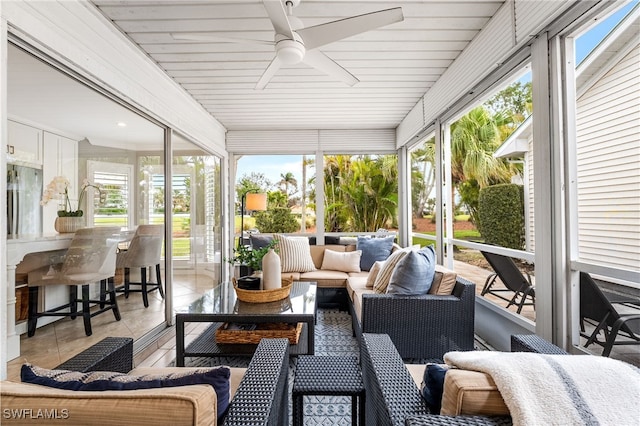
point(60, 159)
point(25, 143)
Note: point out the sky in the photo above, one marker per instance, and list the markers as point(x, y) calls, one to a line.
point(275, 165)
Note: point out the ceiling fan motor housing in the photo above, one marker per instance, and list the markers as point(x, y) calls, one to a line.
point(290, 52)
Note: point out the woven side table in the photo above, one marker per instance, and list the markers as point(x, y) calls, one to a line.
point(328, 375)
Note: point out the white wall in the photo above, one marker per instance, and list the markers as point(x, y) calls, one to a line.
point(608, 167)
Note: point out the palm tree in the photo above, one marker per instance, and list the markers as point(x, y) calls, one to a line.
point(288, 179)
point(423, 180)
point(474, 139)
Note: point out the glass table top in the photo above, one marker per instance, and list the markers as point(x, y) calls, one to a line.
point(223, 300)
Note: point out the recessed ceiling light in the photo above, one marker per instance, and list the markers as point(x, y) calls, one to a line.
point(122, 124)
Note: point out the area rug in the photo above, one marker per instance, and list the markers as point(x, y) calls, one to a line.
point(333, 337)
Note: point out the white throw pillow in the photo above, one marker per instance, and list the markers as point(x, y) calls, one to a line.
point(295, 254)
point(373, 273)
point(348, 261)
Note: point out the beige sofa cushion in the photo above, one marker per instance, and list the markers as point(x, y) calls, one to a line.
point(333, 279)
point(183, 405)
point(341, 261)
point(317, 252)
point(444, 281)
point(472, 393)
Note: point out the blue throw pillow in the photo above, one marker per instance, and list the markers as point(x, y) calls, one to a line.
point(432, 386)
point(259, 241)
point(108, 380)
point(413, 275)
point(373, 249)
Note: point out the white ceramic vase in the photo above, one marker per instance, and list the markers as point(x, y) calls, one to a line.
point(271, 278)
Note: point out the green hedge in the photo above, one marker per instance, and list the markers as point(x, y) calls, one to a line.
point(501, 215)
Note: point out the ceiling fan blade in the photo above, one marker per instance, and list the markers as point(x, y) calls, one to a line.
point(216, 38)
point(322, 34)
point(322, 62)
point(271, 70)
point(278, 15)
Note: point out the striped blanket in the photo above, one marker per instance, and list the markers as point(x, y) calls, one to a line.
point(559, 389)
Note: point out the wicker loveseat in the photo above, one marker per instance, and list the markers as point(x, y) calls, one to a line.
point(261, 396)
point(393, 398)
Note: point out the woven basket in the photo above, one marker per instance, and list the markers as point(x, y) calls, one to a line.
point(262, 296)
point(263, 331)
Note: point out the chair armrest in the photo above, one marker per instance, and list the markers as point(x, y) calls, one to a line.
point(437, 420)
point(109, 354)
point(423, 327)
point(262, 396)
point(392, 395)
point(534, 343)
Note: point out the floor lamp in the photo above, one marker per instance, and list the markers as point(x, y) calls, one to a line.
point(254, 201)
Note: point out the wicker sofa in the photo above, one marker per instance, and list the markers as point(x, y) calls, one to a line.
point(260, 398)
point(393, 398)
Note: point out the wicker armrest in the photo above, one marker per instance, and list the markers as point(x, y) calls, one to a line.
point(392, 395)
point(262, 396)
point(436, 420)
point(109, 354)
point(534, 343)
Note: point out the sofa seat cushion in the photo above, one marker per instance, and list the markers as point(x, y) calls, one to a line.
point(358, 294)
point(355, 283)
point(323, 278)
point(217, 378)
point(472, 393)
point(362, 274)
point(183, 405)
point(295, 276)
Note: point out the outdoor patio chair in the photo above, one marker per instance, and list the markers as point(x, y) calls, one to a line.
point(512, 278)
point(597, 308)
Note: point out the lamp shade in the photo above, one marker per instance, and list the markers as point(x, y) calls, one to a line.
point(256, 201)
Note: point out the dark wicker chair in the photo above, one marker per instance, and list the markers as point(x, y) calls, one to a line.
point(421, 327)
point(597, 308)
point(261, 399)
point(513, 279)
point(393, 397)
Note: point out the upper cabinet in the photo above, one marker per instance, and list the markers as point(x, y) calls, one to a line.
point(60, 159)
point(25, 144)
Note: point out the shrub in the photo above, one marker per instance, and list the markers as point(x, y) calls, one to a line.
point(501, 215)
point(279, 219)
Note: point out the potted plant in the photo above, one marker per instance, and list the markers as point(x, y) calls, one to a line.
point(249, 257)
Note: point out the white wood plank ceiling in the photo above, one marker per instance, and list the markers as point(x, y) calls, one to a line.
point(396, 64)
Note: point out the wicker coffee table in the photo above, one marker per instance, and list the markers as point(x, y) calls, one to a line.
point(328, 375)
point(221, 305)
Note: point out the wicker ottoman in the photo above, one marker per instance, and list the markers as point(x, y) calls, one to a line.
point(328, 375)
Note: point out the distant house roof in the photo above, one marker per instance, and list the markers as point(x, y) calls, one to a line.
point(617, 44)
point(517, 143)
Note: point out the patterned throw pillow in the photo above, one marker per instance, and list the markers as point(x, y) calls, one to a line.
point(107, 380)
point(295, 254)
point(373, 273)
point(382, 280)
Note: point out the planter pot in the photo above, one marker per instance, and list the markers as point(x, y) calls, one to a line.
point(65, 225)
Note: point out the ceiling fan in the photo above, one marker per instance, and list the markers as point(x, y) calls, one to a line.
point(294, 44)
